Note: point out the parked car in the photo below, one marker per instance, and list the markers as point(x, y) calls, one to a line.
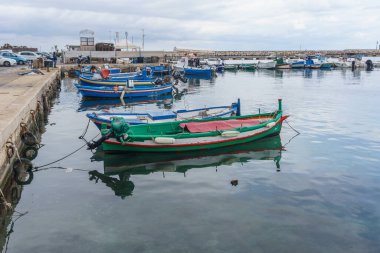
point(45, 55)
point(7, 62)
point(30, 56)
point(19, 59)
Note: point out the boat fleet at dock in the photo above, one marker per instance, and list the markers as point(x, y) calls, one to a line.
point(187, 129)
point(169, 131)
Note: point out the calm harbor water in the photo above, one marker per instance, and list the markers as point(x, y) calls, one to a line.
point(319, 194)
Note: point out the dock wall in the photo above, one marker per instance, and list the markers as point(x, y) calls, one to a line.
point(20, 101)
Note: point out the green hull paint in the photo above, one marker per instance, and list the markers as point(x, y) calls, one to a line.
point(139, 138)
point(110, 147)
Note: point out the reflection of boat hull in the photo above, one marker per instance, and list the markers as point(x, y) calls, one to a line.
point(265, 149)
point(101, 103)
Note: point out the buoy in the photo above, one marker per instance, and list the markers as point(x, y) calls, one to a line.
point(23, 173)
point(30, 152)
point(234, 182)
point(28, 139)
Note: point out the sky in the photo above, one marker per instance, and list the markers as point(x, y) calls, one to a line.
point(195, 24)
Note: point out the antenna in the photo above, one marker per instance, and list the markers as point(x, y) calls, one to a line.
point(126, 39)
point(143, 37)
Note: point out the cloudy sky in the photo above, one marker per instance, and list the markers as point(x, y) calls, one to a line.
point(200, 24)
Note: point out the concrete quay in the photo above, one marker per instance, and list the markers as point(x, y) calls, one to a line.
point(21, 98)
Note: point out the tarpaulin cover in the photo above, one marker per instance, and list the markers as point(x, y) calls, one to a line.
point(200, 127)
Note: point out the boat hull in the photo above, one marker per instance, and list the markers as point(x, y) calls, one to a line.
point(114, 82)
point(106, 92)
point(266, 65)
point(196, 71)
point(191, 144)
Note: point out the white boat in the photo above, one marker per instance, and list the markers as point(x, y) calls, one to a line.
point(266, 64)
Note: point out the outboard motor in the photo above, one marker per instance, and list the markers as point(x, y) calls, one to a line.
point(369, 64)
point(177, 76)
point(158, 81)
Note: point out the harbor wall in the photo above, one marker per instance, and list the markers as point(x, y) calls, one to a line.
point(22, 100)
point(167, 55)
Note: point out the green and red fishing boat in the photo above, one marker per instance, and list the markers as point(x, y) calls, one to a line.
point(189, 135)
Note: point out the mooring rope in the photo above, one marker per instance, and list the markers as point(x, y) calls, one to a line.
point(297, 133)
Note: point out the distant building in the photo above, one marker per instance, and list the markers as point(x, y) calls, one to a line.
point(73, 47)
point(87, 40)
point(104, 47)
point(17, 49)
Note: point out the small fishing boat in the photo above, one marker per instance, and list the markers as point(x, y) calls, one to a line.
point(164, 116)
point(230, 67)
point(191, 66)
point(248, 66)
point(281, 64)
point(93, 69)
point(124, 91)
point(159, 70)
point(299, 64)
point(310, 64)
point(105, 79)
point(188, 135)
point(266, 64)
point(202, 71)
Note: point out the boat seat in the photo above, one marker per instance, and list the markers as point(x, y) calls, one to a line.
point(162, 115)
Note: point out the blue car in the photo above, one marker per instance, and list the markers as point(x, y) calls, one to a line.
point(19, 59)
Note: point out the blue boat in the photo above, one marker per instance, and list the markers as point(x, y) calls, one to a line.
point(137, 80)
point(90, 70)
point(159, 70)
point(124, 91)
point(298, 65)
point(198, 71)
point(154, 117)
point(310, 64)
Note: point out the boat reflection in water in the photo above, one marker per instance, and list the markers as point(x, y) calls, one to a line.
point(118, 168)
point(104, 104)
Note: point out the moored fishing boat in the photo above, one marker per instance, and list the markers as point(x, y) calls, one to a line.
point(247, 66)
point(310, 64)
point(191, 66)
point(154, 117)
point(266, 64)
point(298, 64)
point(281, 64)
point(231, 67)
point(104, 79)
point(93, 69)
point(203, 71)
point(189, 135)
point(124, 91)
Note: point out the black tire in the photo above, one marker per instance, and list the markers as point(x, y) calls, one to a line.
point(7, 64)
point(21, 62)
